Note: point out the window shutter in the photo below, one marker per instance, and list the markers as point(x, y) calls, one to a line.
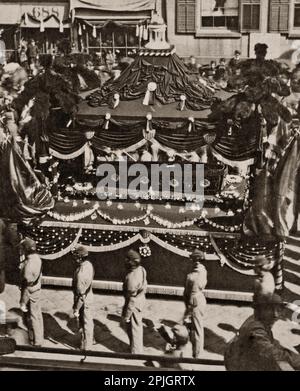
point(279, 15)
point(186, 16)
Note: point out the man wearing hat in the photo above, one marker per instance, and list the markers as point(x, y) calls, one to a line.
point(264, 283)
point(83, 296)
point(134, 290)
point(31, 284)
point(195, 302)
point(254, 347)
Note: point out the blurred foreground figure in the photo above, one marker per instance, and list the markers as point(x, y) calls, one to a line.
point(264, 284)
point(31, 288)
point(83, 296)
point(134, 289)
point(195, 302)
point(254, 347)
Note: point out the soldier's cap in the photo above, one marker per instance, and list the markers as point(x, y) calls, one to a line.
point(181, 334)
point(133, 256)
point(237, 52)
point(28, 244)
point(197, 255)
point(80, 251)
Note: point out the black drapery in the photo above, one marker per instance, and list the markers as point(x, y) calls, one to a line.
point(171, 75)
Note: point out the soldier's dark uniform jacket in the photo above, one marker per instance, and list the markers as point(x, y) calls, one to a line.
point(255, 349)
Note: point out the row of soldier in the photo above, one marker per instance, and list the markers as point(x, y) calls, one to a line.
point(253, 347)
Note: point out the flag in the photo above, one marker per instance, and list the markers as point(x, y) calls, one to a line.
point(275, 196)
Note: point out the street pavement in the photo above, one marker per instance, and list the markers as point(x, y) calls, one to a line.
point(222, 319)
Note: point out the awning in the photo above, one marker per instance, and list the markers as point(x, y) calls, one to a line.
point(114, 5)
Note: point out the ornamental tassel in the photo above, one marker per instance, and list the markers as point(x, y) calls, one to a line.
point(149, 96)
point(94, 32)
point(149, 127)
point(42, 26)
point(79, 30)
point(137, 31)
point(106, 123)
point(61, 26)
point(26, 18)
point(88, 156)
point(182, 103)
point(145, 33)
point(116, 101)
point(141, 32)
point(191, 127)
point(146, 100)
point(230, 123)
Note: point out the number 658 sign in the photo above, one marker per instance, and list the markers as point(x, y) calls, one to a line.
point(45, 12)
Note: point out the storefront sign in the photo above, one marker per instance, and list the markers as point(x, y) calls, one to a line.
point(43, 12)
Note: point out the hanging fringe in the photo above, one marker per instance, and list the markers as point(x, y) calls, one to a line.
point(79, 30)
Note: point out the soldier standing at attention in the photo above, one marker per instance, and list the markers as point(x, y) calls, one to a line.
point(134, 289)
point(83, 296)
point(195, 302)
point(31, 284)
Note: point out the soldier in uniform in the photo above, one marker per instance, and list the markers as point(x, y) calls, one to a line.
point(195, 302)
point(83, 296)
point(254, 347)
point(134, 289)
point(31, 279)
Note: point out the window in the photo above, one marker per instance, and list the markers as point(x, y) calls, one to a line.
point(185, 16)
point(220, 14)
point(279, 15)
point(250, 15)
point(297, 14)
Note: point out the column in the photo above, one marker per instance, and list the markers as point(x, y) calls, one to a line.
point(264, 16)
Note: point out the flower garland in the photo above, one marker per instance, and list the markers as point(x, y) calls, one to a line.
point(116, 221)
point(145, 217)
point(74, 216)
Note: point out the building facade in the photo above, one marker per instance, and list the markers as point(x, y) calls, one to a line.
point(208, 29)
point(46, 21)
point(212, 29)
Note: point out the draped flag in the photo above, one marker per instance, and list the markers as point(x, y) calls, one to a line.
point(275, 196)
